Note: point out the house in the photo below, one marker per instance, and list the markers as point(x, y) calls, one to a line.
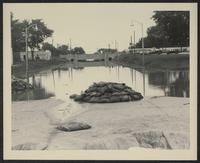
point(41, 55)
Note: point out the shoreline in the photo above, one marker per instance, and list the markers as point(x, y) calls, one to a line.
point(152, 62)
point(155, 62)
point(34, 67)
point(114, 126)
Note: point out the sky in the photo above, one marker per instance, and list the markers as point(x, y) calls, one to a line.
point(89, 25)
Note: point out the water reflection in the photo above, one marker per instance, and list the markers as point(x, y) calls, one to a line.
point(74, 79)
point(37, 93)
point(173, 83)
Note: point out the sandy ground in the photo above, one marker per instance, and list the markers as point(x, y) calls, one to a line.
point(154, 122)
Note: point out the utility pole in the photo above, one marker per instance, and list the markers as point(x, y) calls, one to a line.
point(142, 40)
point(26, 41)
point(131, 40)
point(11, 18)
point(70, 48)
point(52, 41)
point(115, 45)
point(70, 44)
point(109, 46)
point(131, 45)
point(142, 46)
point(134, 40)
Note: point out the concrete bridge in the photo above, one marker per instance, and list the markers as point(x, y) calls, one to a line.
point(85, 57)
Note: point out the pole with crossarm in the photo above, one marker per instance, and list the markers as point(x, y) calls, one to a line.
point(142, 38)
point(26, 40)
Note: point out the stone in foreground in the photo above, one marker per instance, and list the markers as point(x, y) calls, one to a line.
point(73, 126)
point(108, 92)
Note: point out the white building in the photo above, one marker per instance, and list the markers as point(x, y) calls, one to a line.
point(41, 55)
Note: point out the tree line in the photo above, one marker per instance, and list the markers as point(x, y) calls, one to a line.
point(62, 49)
point(171, 30)
point(36, 38)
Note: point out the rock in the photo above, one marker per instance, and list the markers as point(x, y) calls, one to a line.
point(152, 139)
point(73, 126)
point(108, 92)
point(177, 140)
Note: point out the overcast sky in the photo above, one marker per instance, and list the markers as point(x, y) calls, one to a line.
point(91, 26)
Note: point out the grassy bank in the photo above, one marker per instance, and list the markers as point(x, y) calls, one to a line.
point(172, 61)
point(19, 70)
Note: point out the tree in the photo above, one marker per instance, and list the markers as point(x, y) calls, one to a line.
point(147, 43)
point(156, 37)
point(35, 37)
point(175, 25)
point(78, 50)
point(51, 48)
point(171, 29)
point(63, 49)
point(18, 35)
point(38, 36)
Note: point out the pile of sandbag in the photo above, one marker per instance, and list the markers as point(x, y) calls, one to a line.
point(20, 85)
point(108, 92)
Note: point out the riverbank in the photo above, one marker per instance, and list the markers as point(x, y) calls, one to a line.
point(154, 122)
point(171, 61)
point(19, 70)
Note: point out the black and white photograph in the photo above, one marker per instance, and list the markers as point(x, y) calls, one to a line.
point(100, 77)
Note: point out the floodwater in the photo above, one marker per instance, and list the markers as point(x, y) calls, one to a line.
point(62, 82)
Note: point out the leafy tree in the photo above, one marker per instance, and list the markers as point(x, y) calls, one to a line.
point(155, 38)
point(38, 36)
point(63, 49)
point(51, 48)
point(175, 25)
point(35, 37)
point(171, 29)
point(18, 36)
point(78, 50)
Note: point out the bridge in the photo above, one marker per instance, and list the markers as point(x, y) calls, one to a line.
point(86, 57)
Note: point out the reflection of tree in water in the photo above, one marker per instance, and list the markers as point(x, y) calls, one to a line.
point(33, 94)
point(172, 83)
point(78, 68)
point(157, 78)
point(180, 87)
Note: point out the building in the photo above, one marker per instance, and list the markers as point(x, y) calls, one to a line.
point(41, 55)
point(105, 50)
